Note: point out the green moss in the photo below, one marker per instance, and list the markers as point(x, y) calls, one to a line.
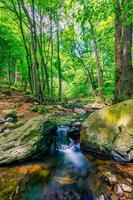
point(18, 124)
point(9, 125)
point(110, 129)
point(30, 136)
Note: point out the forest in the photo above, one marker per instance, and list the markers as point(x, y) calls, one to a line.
point(66, 100)
point(61, 50)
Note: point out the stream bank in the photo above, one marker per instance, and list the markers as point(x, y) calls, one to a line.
point(69, 172)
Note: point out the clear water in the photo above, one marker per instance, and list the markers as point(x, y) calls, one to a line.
point(67, 172)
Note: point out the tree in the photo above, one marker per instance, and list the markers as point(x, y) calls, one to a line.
point(123, 49)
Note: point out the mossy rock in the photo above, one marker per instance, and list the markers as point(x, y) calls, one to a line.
point(9, 125)
point(29, 141)
point(10, 113)
point(110, 130)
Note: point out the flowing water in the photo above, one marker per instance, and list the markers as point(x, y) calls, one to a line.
point(65, 174)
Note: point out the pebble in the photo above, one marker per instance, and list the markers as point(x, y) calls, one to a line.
point(118, 190)
point(126, 188)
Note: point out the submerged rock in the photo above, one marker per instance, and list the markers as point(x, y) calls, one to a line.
point(26, 142)
point(110, 130)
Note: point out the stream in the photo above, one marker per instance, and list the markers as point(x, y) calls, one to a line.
point(65, 174)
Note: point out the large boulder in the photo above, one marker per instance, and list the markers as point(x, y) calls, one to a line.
point(28, 141)
point(110, 130)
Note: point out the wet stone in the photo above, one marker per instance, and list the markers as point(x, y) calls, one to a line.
point(118, 190)
point(102, 197)
point(128, 195)
point(76, 124)
point(126, 188)
point(111, 177)
point(129, 180)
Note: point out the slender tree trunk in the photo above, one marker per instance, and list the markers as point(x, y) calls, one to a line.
point(35, 43)
point(25, 46)
point(9, 69)
point(51, 58)
point(99, 69)
point(59, 62)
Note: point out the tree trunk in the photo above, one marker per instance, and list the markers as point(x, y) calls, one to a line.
point(99, 69)
point(123, 59)
point(51, 58)
point(59, 62)
point(26, 47)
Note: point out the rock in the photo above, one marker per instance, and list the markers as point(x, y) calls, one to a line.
point(102, 197)
point(1, 130)
point(110, 131)
point(2, 120)
point(6, 131)
point(74, 133)
point(79, 111)
point(111, 177)
point(18, 124)
point(126, 188)
point(10, 114)
point(118, 190)
point(114, 197)
point(76, 124)
point(26, 142)
point(129, 195)
point(9, 125)
point(129, 180)
point(73, 121)
point(9, 119)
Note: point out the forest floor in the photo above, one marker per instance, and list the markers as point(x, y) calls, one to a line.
point(26, 106)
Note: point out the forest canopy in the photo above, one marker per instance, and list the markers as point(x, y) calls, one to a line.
point(60, 50)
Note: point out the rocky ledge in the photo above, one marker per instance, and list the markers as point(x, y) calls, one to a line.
point(29, 141)
point(110, 131)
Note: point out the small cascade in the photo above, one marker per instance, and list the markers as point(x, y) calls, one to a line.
point(70, 147)
point(62, 139)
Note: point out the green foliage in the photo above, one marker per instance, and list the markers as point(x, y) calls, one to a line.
point(76, 43)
